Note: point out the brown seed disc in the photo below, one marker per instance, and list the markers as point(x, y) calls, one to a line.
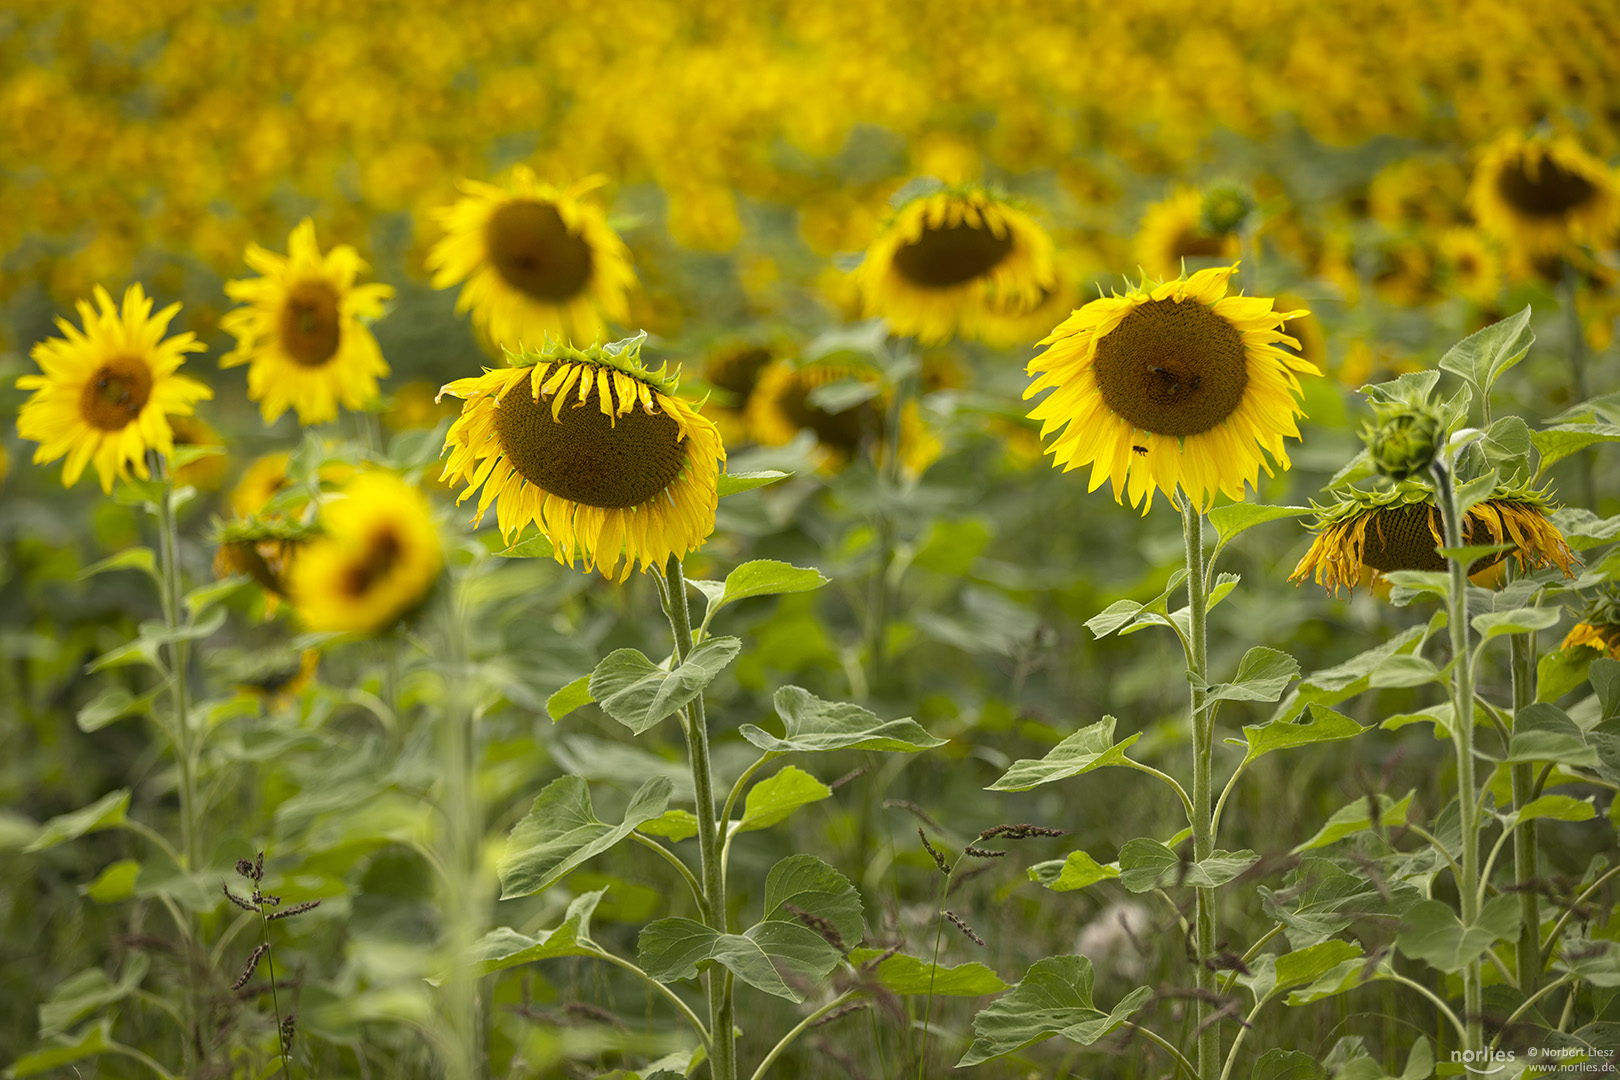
point(1549, 191)
point(115, 395)
point(583, 456)
point(1172, 368)
point(1193, 244)
point(311, 327)
point(842, 431)
point(1398, 538)
point(942, 258)
point(536, 253)
point(382, 553)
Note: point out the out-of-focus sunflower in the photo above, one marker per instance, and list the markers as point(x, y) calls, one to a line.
point(538, 261)
point(205, 473)
point(1399, 529)
point(375, 560)
point(594, 448)
point(1471, 267)
point(734, 370)
point(1542, 194)
point(416, 405)
point(929, 271)
point(301, 333)
point(105, 395)
point(1016, 320)
point(780, 408)
point(277, 677)
point(1172, 384)
point(1599, 627)
point(1173, 230)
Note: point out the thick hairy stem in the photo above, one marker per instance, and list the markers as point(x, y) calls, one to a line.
point(1524, 838)
point(1203, 727)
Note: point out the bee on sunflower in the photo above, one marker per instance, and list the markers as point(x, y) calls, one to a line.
point(594, 448)
point(538, 261)
point(944, 251)
point(105, 394)
point(301, 333)
point(1542, 194)
point(1174, 384)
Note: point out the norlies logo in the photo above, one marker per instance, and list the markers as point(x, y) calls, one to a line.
point(1483, 1062)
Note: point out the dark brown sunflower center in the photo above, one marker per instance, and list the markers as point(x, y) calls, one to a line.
point(311, 330)
point(1400, 538)
point(942, 258)
point(116, 393)
point(536, 253)
point(1192, 244)
point(585, 457)
point(842, 431)
point(1172, 368)
point(1547, 191)
point(737, 373)
point(382, 554)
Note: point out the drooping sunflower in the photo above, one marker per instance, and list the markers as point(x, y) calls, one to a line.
point(377, 557)
point(1599, 627)
point(105, 394)
point(1173, 230)
point(942, 253)
point(780, 408)
point(301, 333)
point(538, 261)
point(1172, 384)
point(1399, 529)
point(594, 448)
point(1542, 194)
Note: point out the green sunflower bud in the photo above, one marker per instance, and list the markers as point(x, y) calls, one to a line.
point(1226, 207)
point(1403, 438)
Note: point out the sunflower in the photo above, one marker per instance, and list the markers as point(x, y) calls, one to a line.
point(1472, 268)
point(1173, 231)
point(734, 370)
point(780, 408)
point(376, 558)
point(1013, 320)
point(207, 471)
point(537, 261)
point(943, 253)
point(624, 469)
point(1542, 194)
point(1399, 529)
point(1599, 627)
point(301, 333)
point(105, 394)
point(1172, 384)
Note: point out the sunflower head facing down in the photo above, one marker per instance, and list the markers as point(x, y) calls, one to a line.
point(1173, 384)
point(1599, 627)
point(594, 448)
point(104, 395)
point(377, 556)
point(537, 261)
point(301, 332)
point(943, 253)
point(1399, 529)
point(1542, 194)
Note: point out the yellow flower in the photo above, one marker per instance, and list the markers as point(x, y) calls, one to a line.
point(1603, 638)
point(1542, 194)
point(301, 334)
point(1172, 384)
point(106, 393)
point(537, 261)
point(1473, 268)
point(1399, 529)
point(780, 408)
point(942, 254)
point(592, 447)
point(1172, 231)
point(376, 558)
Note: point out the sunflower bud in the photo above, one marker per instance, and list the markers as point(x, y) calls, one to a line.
point(1403, 439)
point(1226, 207)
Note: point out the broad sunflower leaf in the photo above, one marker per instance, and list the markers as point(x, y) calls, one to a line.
point(65, 1049)
point(734, 483)
point(106, 812)
point(1484, 355)
point(114, 703)
point(569, 698)
point(1497, 623)
point(1433, 933)
point(1476, 491)
point(1276, 1064)
point(1598, 962)
point(1357, 817)
point(1605, 676)
point(1325, 725)
point(83, 993)
point(1074, 872)
point(1054, 998)
point(1554, 444)
point(773, 799)
point(1562, 670)
point(809, 723)
point(530, 547)
point(1404, 671)
point(505, 947)
point(672, 825)
point(1543, 732)
point(1262, 675)
point(1237, 517)
point(1089, 748)
point(1554, 808)
point(115, 882)
point(1584, 529)
point(561, 831)
point(674, 949)
point(1339, 979)
point(1507, 447)
point(1335, 684)
point(1127, 612)
point(1147, 864)
point(907, 975)
point(638, 693)
point(131, 558)
point(766, 577)
point(810, 885)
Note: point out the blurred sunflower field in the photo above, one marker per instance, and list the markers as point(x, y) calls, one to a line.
point(742, 540)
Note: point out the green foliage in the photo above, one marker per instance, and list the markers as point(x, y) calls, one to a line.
point(561, 831)
point(1053, 999)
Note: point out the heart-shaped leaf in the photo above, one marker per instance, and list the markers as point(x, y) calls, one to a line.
point(810, 723)
point(561, 831)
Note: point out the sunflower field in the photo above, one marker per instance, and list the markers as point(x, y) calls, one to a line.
point(744, 539)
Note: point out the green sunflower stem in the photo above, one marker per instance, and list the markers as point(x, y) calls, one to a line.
point(1568, 288)
point(179, 661)
point(1523, 653)
point(466, 899)
point(1445, 491)
point(1203, 824)
point(722, 1026)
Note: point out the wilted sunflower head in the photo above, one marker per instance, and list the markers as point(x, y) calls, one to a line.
point(594, 448)
point(538, 261)
point(1400, 529)
point(1542, 194)
point(1173, 384)
point(943, 252)
point(105, 394)
point(303, 333)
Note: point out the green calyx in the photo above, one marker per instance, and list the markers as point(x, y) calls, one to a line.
point(1226, 208)
point(623, 356)
point(1403, 438)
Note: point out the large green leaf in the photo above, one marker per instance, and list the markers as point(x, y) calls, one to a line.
point(83, 993)
point(1074, 872)
point(1497, 623)
point(1129, 613)
point(1235, 517)
point(1433, 933)
point(810, 723)
point(1357, 817)
point(106, 812)
point(1325, 725)
point(1091, 747)
point(116, 702)
point(810, 885)
point(1557, 443)
point(763, 957)
point(1262, 675)
point(1562, 670)
point(1333, 685)
point(1054, 998)
point(1484, 355)
point(773, 799)
point(734, 483)
point(1147, 864)
point(1553, 808)
point(907, 975)
point(561, 831)
point(1291, 969)
point(64, 1049)
point(766, 577)
point(1543, 732)
point(504, 947)
point(569, 698)
point(1278, 1064)
point(638, 693)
